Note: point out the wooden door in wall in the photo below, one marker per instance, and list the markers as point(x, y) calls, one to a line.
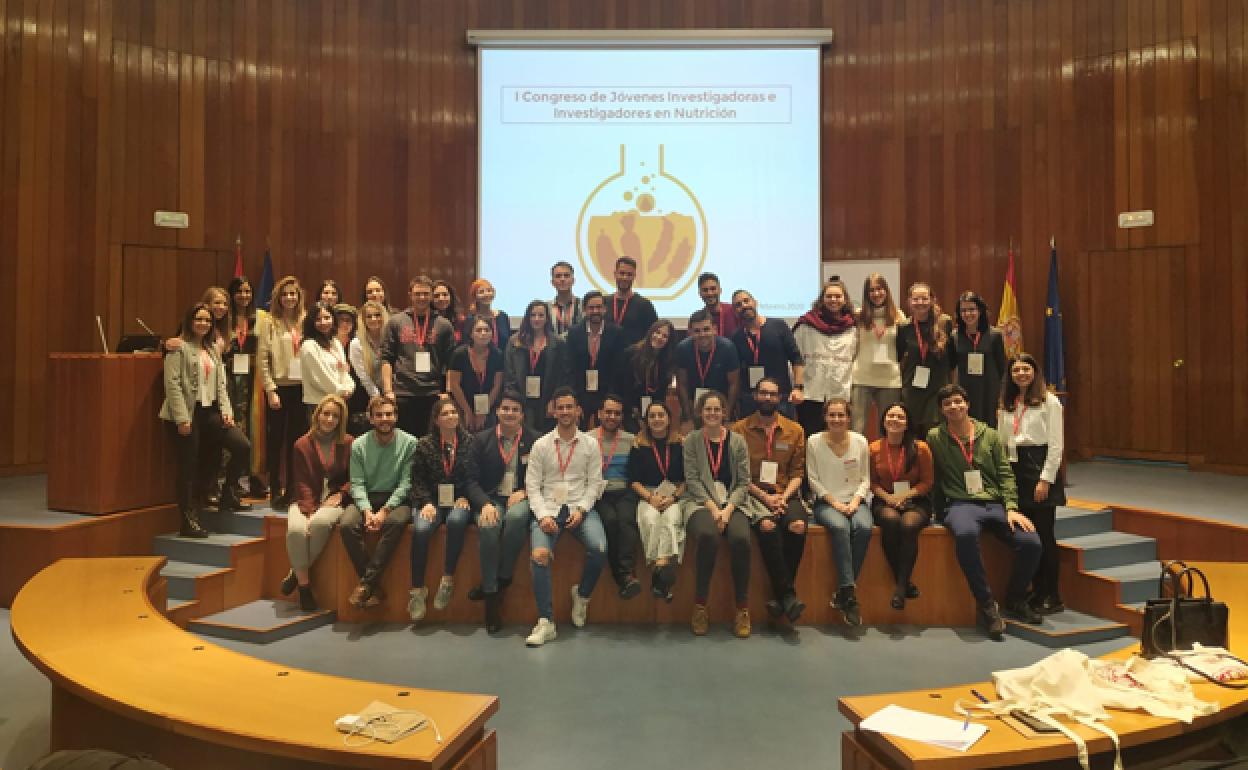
point(1135, 330)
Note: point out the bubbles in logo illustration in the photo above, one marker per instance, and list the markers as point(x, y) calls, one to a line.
point(645, 202)
point(628, 195)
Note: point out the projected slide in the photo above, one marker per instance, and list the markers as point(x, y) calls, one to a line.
point(686, 160)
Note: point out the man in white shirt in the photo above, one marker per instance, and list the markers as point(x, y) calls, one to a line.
point(563, 482)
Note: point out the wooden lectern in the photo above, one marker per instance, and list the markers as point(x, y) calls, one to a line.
point(108, 450)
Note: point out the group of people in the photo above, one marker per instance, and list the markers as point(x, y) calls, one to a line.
point(564, 425)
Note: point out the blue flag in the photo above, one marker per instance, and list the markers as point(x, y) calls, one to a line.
point(266, 282)
point(1054, 353)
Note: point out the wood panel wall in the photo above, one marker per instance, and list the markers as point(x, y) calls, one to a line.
point(343, 134)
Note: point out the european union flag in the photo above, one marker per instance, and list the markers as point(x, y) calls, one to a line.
point(1054, 353)
point(266, 282)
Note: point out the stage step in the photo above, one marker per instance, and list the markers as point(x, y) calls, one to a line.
point(261, 622)
point(214, 549)
point(1076, 522)
point(173, 604)
point(1137, 582)
point(249, 523)
point(180, 577)
point(1067, 629)
point(1112, 549)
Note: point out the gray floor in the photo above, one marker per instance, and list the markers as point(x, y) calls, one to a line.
point(1162, 487)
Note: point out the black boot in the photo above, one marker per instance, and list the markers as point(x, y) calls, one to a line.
point(493, 614)
point(230, 502)
point(190, 524)
point(289, 583)
point(307, 601)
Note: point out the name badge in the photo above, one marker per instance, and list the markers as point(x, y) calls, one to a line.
point(295, 370)
point(591, 380)
point(666, 489)
point(851, 466)
point(422, 362)
point(524, 459)
point(1012, 449)
point(205, 397)
point(533, 386)
point(922, 375)
point(242, 364)
point(446, 495)
point(508, 485)
point(974, 482)
point(767, 471)
point(645, 405)
point(720, 492)
point(782, 446)
point(901, 487)
point(975, 364)
point(559, 495)
point(697, 393)
point(756, 374)
point(880, 353)
point(481, 403)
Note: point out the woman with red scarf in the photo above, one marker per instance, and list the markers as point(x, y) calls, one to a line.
point(828, 340)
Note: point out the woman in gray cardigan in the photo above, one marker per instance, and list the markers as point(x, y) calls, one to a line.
point(717, 478)
point(197, 406)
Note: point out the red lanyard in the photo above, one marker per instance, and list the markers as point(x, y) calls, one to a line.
point(895, 471)
point(1018, 416)
point(697, 359)
point(295, 339)
point(606, 458)
point(595, 344)
point(666, 462)
point(448, 462)
point(716, 460)
point(325, 464)
point(564, 322)
point(535, 354)
point(755, 341)
point(472, 361)
point(617, 312)
point(968, 452)
point(494, 328)
point(422, 332)
point(563, 464)
point(975, 340)
point(206, 359)
point(880, 328)
point(918, 333)
point(771, 437)
point(242, 333)
point(498, 431)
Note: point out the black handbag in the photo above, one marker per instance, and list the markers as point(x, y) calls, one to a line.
point(1183, 619)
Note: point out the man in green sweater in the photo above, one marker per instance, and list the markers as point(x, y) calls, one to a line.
point(381, 477)
point(973, 477)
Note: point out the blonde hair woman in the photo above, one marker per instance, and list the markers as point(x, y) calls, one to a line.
point(280, 335)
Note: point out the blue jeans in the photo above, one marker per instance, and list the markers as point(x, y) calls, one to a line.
point(592, 536)
point(456, 520)
point(850, 537)
point(500, 544)
point(966, 519)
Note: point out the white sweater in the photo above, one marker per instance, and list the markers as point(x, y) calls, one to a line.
point(324, 371)
point(829, 361)
point(841, 477)
point(1037, 426)
point(869, 369)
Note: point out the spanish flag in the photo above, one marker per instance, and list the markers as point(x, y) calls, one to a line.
point(1008, 320)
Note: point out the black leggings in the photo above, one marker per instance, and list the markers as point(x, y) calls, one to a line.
point(198, 453)
point(782, 550)
point(899, 534)
point(703, 530)
point(283, 426)
point(618, 511)
point(1044, 584)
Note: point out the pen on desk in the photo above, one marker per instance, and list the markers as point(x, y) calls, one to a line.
point(967, 722)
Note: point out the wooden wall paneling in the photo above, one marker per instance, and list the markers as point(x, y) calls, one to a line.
point(10, 142)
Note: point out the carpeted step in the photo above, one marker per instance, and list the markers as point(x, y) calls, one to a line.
point(1075, 522)
point(180, 578)
point(214, 549)
point(1137, 582)
point(1112, 549)
point(1067, 629)
point(249, 523)
point(261, 622)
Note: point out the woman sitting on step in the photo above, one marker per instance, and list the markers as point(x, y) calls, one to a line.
point(320, 489)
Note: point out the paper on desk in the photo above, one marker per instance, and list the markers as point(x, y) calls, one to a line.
point(927, 728)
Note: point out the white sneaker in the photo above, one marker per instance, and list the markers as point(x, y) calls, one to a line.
point(543, 632)
point(416, 603)
point(445, 590)
point(580, 607)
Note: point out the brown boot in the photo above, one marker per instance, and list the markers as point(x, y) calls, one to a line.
point(741, 624)
point(700, 622)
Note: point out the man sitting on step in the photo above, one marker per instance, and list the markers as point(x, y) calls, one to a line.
point(381, 477)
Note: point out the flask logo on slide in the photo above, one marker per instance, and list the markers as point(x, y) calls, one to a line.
point(644, 212)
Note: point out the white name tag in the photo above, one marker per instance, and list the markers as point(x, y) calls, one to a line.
point(591, 380)
point(645, 405)
point(782, 446)
point(446, 495)
point(901, 487)
point(533, 386)
point(1012, 449)
point(975, 364)
point(921, 376)
point(974, 482)
point(242, 363)
point(756, 374)
point(559, 495)
point(767, 471)
point(880, 353)
point(666, 489)
point(205, 396)
point(481, 403)
point(851, 466)
point(295, 370)
point(720, 492)
point(697, 393)
point(508, 485)
point(422, 362)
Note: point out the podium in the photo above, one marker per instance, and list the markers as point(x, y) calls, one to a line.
point(108, 450)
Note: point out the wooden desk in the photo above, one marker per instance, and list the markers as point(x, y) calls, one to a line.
point(126, 679)
point(1003, 747)
point(108, 450)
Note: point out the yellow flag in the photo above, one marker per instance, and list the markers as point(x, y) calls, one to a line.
point(1008, 320)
